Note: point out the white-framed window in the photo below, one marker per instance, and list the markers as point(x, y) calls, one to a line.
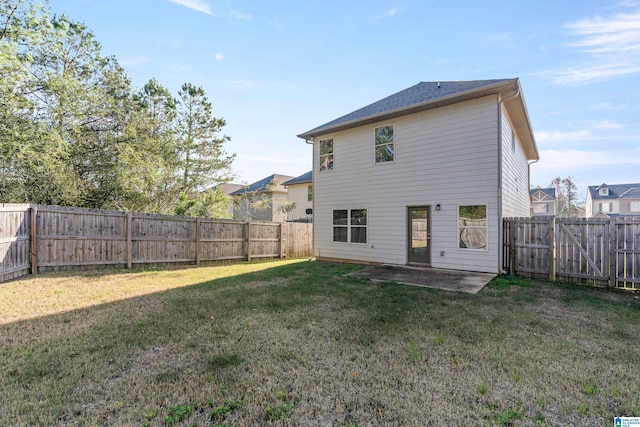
point(310, 193)
point(340, 225)
point(350, 225)
point(603, 191)
point(634, 206)
point(539, 208)
point(472, 227)
point(326, 154)
point(384, 144)
point(605, 207)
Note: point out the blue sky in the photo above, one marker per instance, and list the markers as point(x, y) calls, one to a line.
point(274, 69)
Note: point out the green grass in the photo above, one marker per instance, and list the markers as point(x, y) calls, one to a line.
point(302, 343)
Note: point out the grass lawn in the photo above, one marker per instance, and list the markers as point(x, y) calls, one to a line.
point(299, 343)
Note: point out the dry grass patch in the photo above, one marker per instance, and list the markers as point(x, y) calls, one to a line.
point(301, 343)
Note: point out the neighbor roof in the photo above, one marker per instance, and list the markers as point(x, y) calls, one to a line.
point(305, 177)
point(551, 192)
point(616, 191)
point(428, 95)
point(262, 185)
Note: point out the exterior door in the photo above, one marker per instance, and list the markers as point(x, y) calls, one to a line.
point(419, 239)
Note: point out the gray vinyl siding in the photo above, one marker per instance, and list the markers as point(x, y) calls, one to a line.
point(446, 156)
point(299, 194)
point(515, 174)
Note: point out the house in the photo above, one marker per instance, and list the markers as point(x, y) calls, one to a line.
point(424, 177)
point(613, 200)
point(300, 193)
point(224, 198)
point(543, 202)
point(262, 201)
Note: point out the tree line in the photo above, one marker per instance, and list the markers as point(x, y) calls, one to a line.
point(74, 132)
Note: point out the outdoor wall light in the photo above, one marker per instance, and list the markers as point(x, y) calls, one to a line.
point(438, 207)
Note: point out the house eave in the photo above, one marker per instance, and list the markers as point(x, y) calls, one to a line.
point(521, 119)
point(414, 108)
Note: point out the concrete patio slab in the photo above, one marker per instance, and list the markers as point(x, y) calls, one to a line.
point(451, 280)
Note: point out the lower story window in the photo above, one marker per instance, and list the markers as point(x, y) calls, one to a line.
point(472, 227)
point(540, 208)
point(350, 225)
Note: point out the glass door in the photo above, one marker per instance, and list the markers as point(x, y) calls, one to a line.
point(419, 235)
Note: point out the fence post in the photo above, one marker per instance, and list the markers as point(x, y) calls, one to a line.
point(282, 242)
point(512, 245)
point(613, 247)
point(129, 245)
point(551, 236)
point(248, 240)
point(34, 239)
point(197, 241)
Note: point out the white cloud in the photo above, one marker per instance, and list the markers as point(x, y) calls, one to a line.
point(591, 74)
point(559, 136)
point(612, 45)
point(388, 14)
point(198, 5)
point(218, 56)
point(577, 159)
point(240, 15)
point(606, 124)
point(618, 34)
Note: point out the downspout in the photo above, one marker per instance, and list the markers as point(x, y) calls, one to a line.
point(313, 200)
point(500, 233)
point(529, 180)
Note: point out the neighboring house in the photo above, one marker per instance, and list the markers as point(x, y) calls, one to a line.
point(300, 192)
point(227, 189)
point(424, 176)
point(263, 200)
point(613, 200)
point(543, 202)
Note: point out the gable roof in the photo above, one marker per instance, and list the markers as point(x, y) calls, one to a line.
point(305, 177)
point(616, 191)
point(428, 95)
point(263, 184)
point(227, 188)
point(551, 192)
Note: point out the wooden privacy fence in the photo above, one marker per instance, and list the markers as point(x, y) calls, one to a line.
point(35, 238)
point(588, 250)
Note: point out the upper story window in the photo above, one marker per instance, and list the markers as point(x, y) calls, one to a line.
point(384, 144)
point(635, 207)
point(605, 207)
point(603, 191)
point(310, 193)
point(326, 154)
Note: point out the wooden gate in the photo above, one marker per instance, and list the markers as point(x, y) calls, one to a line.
point(596, 251)
point(582, 249)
